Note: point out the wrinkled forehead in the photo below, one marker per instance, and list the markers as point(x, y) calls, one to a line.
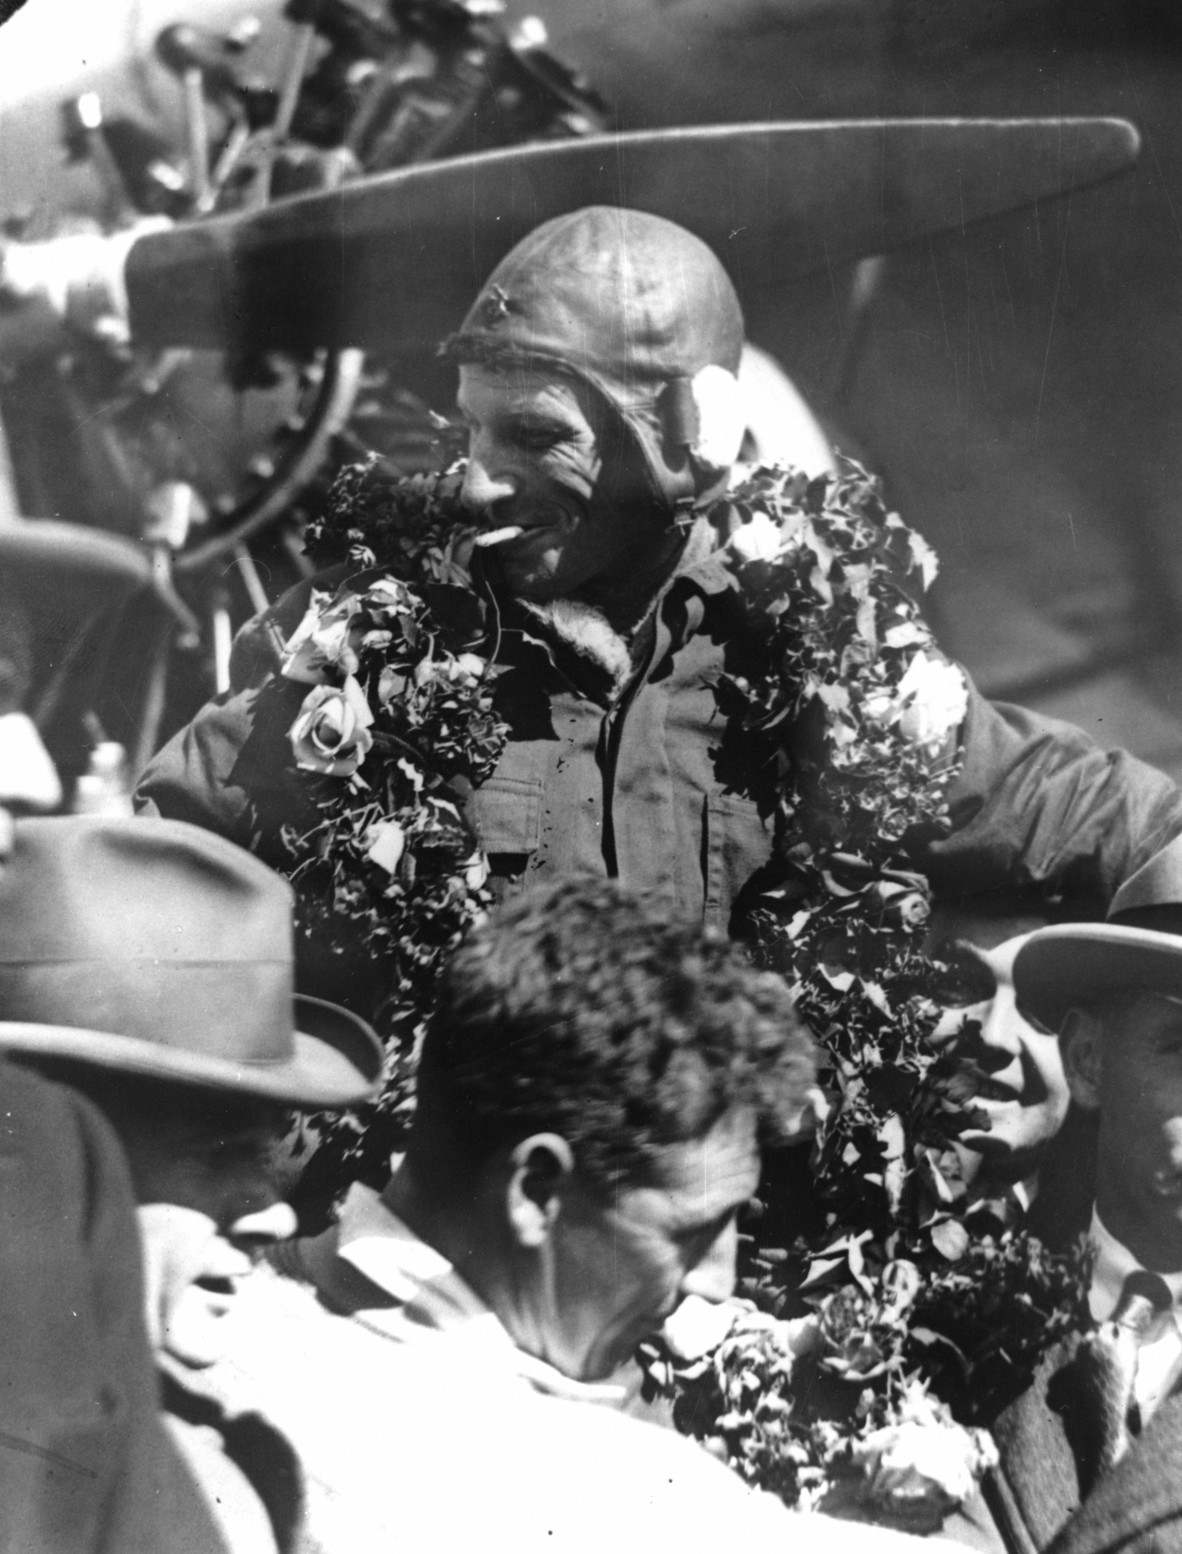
point(517, 390)
point(514, 384)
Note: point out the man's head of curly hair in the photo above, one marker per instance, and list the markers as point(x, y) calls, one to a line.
point(581, 1010)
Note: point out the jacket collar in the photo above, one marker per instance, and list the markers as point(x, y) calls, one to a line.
point(700, 576)
point(372, 1267)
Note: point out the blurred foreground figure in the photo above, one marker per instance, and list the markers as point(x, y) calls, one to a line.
point(150, 965)
point(597, 378)
point(1091, 1453)
point(86, 1466)
point(596, 1086)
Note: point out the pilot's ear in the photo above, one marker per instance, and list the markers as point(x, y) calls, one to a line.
point(540, 1167)
point(1080, 1047)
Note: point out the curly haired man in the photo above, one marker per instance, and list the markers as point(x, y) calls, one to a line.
point(595, 1089)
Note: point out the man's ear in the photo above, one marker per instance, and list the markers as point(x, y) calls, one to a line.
point(1080, 1048)
point(538, 1169)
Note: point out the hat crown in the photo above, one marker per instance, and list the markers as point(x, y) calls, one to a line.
point(157, 948)
point(78, 888)
point(147, 929)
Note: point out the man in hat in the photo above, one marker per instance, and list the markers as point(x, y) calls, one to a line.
point(595, 1089)
point(1091, 1453)
point(149, 964)
point(597, 378)
point(1024, 1153)
point(86, 1464)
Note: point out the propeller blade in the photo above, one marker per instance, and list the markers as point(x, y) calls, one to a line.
point(395, 260)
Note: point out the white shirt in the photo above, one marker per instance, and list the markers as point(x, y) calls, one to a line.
point(1159, 1357)
point(419, 1431)
point(433, 1298)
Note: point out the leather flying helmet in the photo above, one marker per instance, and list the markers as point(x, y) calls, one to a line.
point(640, 310)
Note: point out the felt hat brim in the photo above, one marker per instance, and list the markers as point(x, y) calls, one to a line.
point(336, 1059)
point(1076, 964)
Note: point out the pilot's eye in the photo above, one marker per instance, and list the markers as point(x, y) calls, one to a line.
point(539, 439)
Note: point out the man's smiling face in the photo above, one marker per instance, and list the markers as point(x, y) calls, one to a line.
point(538, 456)
point(1020, 1092)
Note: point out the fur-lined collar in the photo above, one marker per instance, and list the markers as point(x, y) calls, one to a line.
point(589, 634)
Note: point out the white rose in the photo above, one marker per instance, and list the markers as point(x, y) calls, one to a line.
point(934, 699)
point(721, 419)
point(758, 540)
point(325, 641)
point(331, 734)
point(929, 703)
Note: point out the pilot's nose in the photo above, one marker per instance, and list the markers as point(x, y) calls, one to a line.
point(277, 1222)
point(481, 490)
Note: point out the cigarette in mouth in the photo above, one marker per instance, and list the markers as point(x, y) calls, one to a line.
point(499, 536)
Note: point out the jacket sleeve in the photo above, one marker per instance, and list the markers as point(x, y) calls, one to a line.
point(229, 769)
point(1039, 804)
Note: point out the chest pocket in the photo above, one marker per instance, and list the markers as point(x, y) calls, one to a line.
point(737, 843)
point(508, 815)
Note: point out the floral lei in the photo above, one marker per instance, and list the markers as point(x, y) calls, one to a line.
point(872, 1341)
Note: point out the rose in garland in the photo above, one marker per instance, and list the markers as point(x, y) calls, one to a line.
point(868, 1345)
point(332, 735)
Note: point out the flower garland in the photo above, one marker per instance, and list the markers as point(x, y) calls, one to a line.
point(397, 728)
point(872, 1317)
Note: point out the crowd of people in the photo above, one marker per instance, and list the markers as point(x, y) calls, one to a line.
point(451, 1359)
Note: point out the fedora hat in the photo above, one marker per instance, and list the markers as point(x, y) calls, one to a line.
point(159, 949)
point(1138, 948)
